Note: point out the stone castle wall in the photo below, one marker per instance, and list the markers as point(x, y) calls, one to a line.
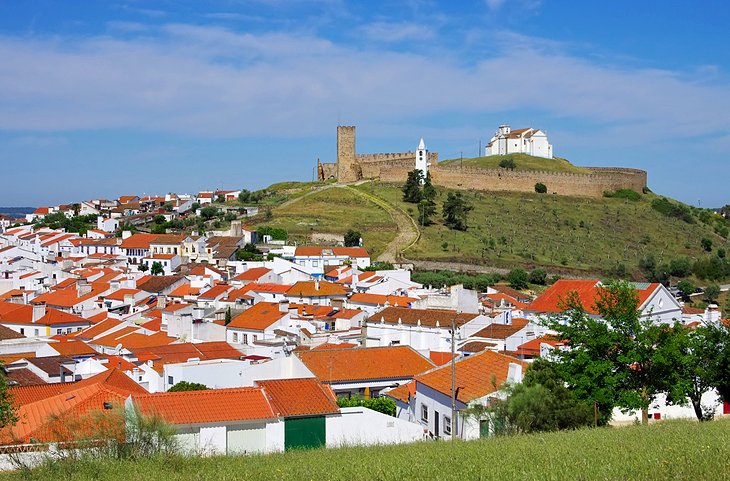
point(394, 167)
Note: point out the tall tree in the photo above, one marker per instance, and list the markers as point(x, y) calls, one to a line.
point(157, 269)
point(456, 210)
point(615, 359)
point(352, 238)
point(412, 188)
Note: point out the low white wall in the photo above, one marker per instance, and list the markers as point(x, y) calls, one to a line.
point(360, 426)
point(213, 440)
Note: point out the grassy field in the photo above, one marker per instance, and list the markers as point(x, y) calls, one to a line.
point(664, 451)
point(572, 234)
point(332, 211)
point(522, 162)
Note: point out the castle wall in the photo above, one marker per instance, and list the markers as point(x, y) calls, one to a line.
point(326, 171)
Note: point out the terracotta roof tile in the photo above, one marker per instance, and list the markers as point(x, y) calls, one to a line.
point(380, 300)
point(299, 397)
point(259, 317)
point(427, 317)
point(340, 365)
point(502, 331)
point(316, 289)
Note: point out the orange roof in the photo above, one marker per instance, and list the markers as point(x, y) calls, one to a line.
point(403, 392)
point(587, 292)
point(23, 314)
point(111, 340)
point(267, 287)
point(316, 289)
point(426, 317)
point(380, 300)
point(174, 353)
point(502, 331)
point(314, 251)
point(340, 365)
point(10, 358)
point(138, 241)
point(253, 274)
point(119, 294)
point(532, 347)
point(209, 406)
point(98, 329)
point(215, 291)
point(440, 358)
point(72, 348)
point(258, 318)
point(475, 375)
point(69, 297)
point(299, 397)
point(327, 345)
point(185, 290)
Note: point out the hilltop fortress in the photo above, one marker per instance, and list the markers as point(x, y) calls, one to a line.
point(394, 167)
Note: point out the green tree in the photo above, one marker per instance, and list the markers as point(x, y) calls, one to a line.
point(195, 206)
point(188, 386)
point(412, 188)
point(381, 404)
point(706, 244)
point(686, 288)
point(8, 414)
point(697, 370)
point(244, 196)
point(142, 267)
point(208, 212)
point(352, 238)
point(518, 279)
point(456, 210)
point(541, 402)
point(540, 188)
point(426, 210)
point(538, 276)
point(228, 317)
point(508, 163)
point(616, 359)
point(157, 269)
point(711, 293)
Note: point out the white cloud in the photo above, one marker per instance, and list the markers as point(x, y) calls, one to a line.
point(210, 82)
point(398, 31)
point(495, 4)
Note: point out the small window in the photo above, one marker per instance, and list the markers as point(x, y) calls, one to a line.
point(255, 337)
point(424, 413)
point(447, 424)
point(59, 331)
point(22, 331)
point(170, 381)
point(235, 337)
point(245, 338)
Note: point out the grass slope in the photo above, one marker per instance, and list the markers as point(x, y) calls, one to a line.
point(581, 235)
point(522, 162)
point(664, 451)
point(333, 211)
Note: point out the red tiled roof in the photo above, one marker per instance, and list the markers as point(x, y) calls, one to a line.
point(209, 406)
point(440, 358)
point(314, 251)
point(253, 274)
point(215, 291)
point(340, 365)
point(426, 317)
point(380, 300)
point(316, 289)
point(502, 331)
point(476, 376)
point(587, 291)
point(258, 318)
point(532, 347)
point(72, 348)
point(299, 397)
point(138, 241)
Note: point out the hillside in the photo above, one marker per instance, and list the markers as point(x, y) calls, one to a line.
point(522, 162)
point(664, 451)
point(572, 235)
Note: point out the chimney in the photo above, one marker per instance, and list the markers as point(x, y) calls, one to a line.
point(17, 299)
point(161, 302)
point(712, 314)
point(284, 306)
point(514, 373)
point(198, 313)
point(115, 285)
point(82, 287)
point(129, 299)
point(39, 310)
point(126, 234)
point(316, 284)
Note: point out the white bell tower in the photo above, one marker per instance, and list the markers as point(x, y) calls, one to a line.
point(422, 158)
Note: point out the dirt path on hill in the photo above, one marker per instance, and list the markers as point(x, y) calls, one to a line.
point(408, 232)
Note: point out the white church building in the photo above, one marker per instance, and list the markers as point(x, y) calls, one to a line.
point(522, 141)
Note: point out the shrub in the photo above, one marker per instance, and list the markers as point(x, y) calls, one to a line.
point(670, 209)
point(538, 276)
point(383, 405)
point(706, 244)
point(508, 163)
point(540, 188)
point(518, 279)
point(623, 194)
point(187, 386)
point(352, 238)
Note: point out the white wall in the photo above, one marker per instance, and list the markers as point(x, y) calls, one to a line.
point(213, 440)
point(360, 426)
point(668, 411)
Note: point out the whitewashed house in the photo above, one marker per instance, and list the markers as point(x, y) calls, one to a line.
point(522, 141)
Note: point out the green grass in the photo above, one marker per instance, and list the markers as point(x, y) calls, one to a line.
point(334, 211)
point(522, 162)
point(572, 234)
point(664, 451)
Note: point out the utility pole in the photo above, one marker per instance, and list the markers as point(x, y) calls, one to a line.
point(454, 424)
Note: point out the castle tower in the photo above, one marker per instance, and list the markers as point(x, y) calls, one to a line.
point(347, 168)
point(422, 158)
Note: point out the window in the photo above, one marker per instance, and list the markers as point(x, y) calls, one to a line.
point(22, 331)
point(424, 413)
point(447, 424)
point(37, 332)
point(255, 337)
point(59, 331)
point(235, 337)
point(245, 338)
point(170, 381)
point(315, 263)
point(68, 330)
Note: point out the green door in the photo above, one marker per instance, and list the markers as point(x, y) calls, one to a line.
point(302, 433)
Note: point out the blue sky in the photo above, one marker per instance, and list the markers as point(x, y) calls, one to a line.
point(99, 99)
